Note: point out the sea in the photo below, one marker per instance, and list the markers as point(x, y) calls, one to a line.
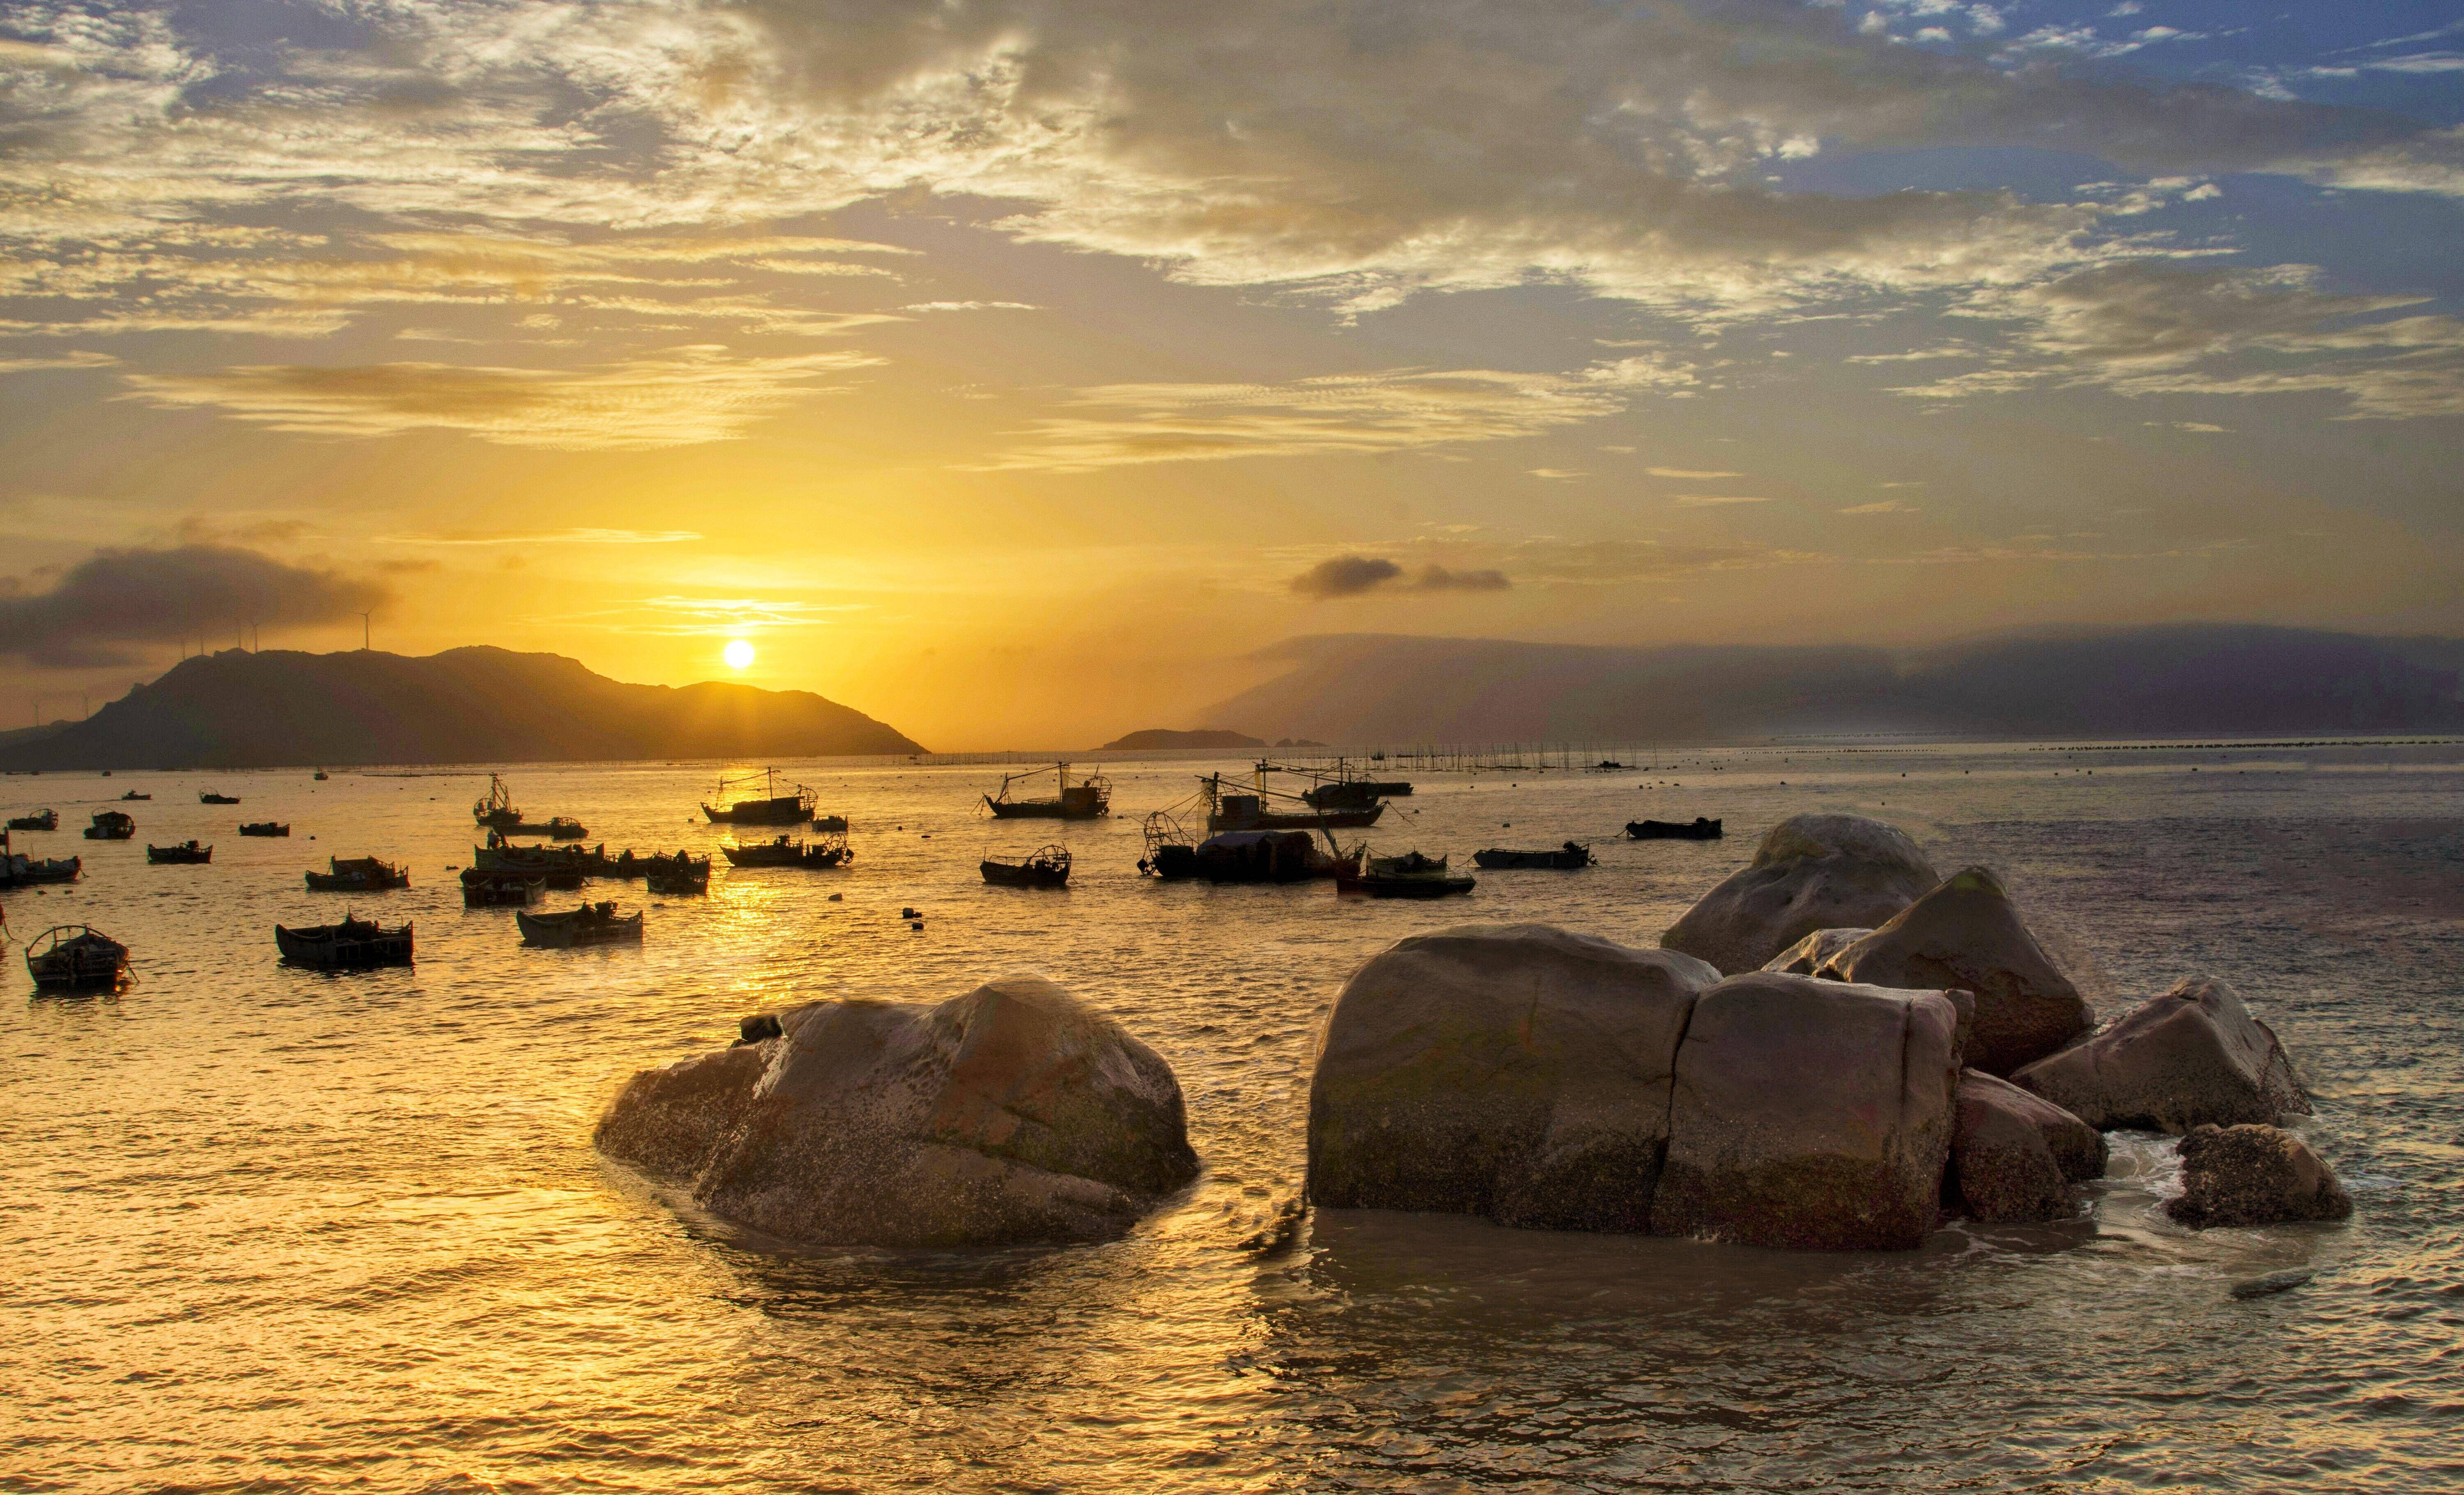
point(268, 1229)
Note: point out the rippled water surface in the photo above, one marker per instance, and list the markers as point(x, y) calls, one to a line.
point(268, 1229)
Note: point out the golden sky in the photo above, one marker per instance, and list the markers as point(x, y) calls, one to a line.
point(1014, 372)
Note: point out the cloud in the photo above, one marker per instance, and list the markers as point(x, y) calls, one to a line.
point(1683, 473)
point(677, 398)
point(1352, 575)
point(1555, 473)
point(1715, 500)
point(1884, 506)
point(118, 598)
point(570, 537)
point(79, 360)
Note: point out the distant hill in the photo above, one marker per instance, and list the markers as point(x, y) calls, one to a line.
point(280, 707)
point(2219, 679)
point(1157, 740)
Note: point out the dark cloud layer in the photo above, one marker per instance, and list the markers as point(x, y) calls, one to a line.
point(1352, 575)
point(118, 598)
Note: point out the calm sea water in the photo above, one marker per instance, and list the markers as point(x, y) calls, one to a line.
point(267, 1230)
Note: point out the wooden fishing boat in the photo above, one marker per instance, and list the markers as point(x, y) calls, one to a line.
point(20, 870)
point(264, 828)
point(769, 807)
point(134, 795)
point(676, 876)
point(499, 889)
point(1567, 858)
point(110, 826)
point(495, 809)
point(1247, 856)
point(1410, 875)
point(1348, 790)
point(591, 924)
point(48, 820)
point(1258, 811)
point(73, 956)
point(357, 874)
point(1087, 799)
point(822, 852)
point(1047, 868)
point(187, 853)
point(1702, 829)
point(355, 944)
point(208, 797)
point(562, 828)
point(321, 776)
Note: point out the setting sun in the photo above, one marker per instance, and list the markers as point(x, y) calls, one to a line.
point(738, 653)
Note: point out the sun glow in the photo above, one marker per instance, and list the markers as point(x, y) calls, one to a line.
point(738, 653)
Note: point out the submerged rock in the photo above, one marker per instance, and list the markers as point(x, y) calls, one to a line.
point(1516, 1071)
point(1810, 873)
point(1807, 956)
point(2272, 1283)
point(1966, 934)
point(1809, 1114)
point(1013, 1114)
point(2016, 1156)
point(2190, 1056)
point(2254, 1175)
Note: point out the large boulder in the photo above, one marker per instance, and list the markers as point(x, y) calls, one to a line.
point(2254, 1175)
point(2190, 1056)
point(1966, 934)
point(1516, 1071)
point(1010, 1116)
point(1809, 1114)
point(2016, 1156)
point(1809, 955)
point(1810, 873)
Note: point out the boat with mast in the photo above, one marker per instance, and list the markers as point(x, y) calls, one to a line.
point(1345, 788)
point(1090, 799)
point(495, 809)
point(1260, 809)
point(769, 807)
point(1047, 868)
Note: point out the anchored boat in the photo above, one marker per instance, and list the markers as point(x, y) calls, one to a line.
point(499, 889)
point(1087, 799)
point(1047, 868)
point(1344, 789)
point(495, 809)
point(591, 924)
point(822, 851)
point(357, 874)
point(48, 820)
point(209, 797)
point(769, 807)
point(355, 944)
point(1702, 829)
point(1244, 856)
point(1410, 875)
point(110, 826)
point(134, 795)
point(676, 876)
point(264, 828)
point(71, 955)
point(20, 870)
point(187, 853)
point(1272, 810)
point(1567, 858)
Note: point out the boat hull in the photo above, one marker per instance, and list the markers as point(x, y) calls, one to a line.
point(1501, 860)
point(1699, 830)
point(1275, 820)
point(787, 809)
point(178, 856)
point(568, 931)
point(1004, 874)
point(332, 947)
point(1043, 810)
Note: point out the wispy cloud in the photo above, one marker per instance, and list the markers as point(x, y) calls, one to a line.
point(1715, 500)
point(567, 537)
point(1688, 474)
point(1357, 576)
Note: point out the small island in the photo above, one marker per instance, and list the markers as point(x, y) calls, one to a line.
point(1155, 740)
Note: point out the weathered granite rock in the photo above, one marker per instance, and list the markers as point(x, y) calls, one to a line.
point(1966, 934)
point(1809, 1114)
point(2190, 1056)
point(2016, 1156)
point(1516, 1071)
point(1010, 1116)
point(1807, 956)
point(2254, 1176)
point(1810, 873)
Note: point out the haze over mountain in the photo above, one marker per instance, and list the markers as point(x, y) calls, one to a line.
point(239, 710)
point(2222, 680)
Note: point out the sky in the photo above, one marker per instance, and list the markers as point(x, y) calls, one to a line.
point(1021, 373)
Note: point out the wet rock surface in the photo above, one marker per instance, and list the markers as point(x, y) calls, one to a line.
point(2016, 1156)
point(2194, 1056)
point(1810, 873)
point(1011, 1115)
point(2255, 1174)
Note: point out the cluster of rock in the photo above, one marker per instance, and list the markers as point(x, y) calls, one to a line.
point(1830, 1050)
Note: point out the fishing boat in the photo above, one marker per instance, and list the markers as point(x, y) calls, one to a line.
point(110, 826)
point(563, 867)
point(1047, 868)
point(76, 955)
point(1567, 858)
point(264, 828)
point(208, 797)
point(355, 944)
point(1087, 799)
point(321, 776)
point(48, 820)
point(562, 828)
point(134, 795)
point(1410, 875)
point(1702, 829)
point(20, 870)
point(357, 874)
point(1258, 810)
point(1344, 790)
point(187, 853)
point(822, 852)
point(676, 876)
point(1247, 856)
point(591, 924)
point(495, 809)
point(499, 889)
point(769, 807)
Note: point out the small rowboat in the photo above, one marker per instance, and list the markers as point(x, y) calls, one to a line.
point(591, 924)
point(76, 955)
point(110, 826)
point(355, 944)
point(187, 854)
point(49, 820)
point(134, 795)
point(208, 797)
point(264, 828)
point(1572, 855)
point(1410, 875)
point(1702, 829)
point(1047, 868)
point(357, 874)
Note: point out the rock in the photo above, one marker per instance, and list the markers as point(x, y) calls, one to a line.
point(1010, 1116)
point(2015, 1156)
point(1516, 1071)
point(1807, 956)
point(1809, 1114)
point(1810, 873)
point(2254, 1175)
point(2272, 1283)
point(1966, 934)
point(2194, 1056)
